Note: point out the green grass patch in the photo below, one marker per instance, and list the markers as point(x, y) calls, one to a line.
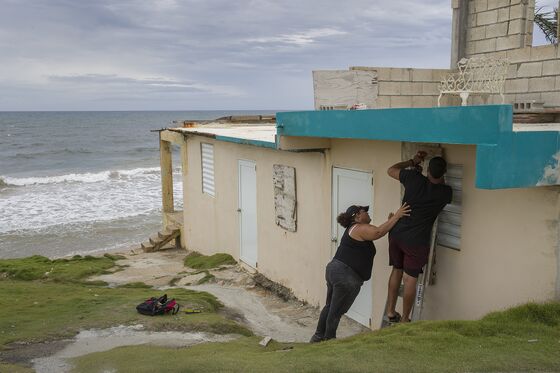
point(37, 311)
point(498, 342)
point(135, 285)
point(174, 281)
point(199, 261)
point(39, 267)
point(207, 277)
point(11, 368)
point(95, 283)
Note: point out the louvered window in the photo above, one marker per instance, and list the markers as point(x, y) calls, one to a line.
point(207, 152)
point(449, 223)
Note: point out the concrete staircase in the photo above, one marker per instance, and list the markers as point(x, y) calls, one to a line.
point(161, 240)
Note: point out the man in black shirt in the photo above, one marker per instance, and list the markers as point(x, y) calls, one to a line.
point(409, 240)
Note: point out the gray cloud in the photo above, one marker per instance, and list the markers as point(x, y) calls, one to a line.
point(203, 54)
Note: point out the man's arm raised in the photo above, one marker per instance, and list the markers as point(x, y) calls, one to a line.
point(395, 170)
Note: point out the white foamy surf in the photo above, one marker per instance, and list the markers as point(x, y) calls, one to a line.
point(80, 182)
point(40, 202)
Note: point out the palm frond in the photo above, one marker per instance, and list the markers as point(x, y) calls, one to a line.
point(548, 23)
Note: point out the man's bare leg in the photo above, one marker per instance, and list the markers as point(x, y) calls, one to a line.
point(409, 295)
point(393, 291)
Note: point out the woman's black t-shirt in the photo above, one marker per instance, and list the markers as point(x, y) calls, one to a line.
point(358, 255)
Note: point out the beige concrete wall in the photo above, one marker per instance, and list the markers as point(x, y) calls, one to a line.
point(376, 157)
point(340, 89)
point(499, 25)
point(393, 88)
point(509, 247)
point(533, 76)
point(409, 87)
point(294, 259)
point(504, 29)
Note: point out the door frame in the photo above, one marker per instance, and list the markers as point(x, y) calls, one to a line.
point(368, 285)
point(248, 261)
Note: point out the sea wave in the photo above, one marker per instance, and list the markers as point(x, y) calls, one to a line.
point(63, 151)
point(3, 183)
point(6, 181)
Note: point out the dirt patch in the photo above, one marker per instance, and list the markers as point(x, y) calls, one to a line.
point(23, 353)
point(154, 269)
point(279, 290)
point(98, 340)
point(265, 307)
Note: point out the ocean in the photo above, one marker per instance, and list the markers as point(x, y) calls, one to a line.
point(83, 182)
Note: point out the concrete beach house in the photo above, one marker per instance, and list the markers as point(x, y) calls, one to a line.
point(268, 192)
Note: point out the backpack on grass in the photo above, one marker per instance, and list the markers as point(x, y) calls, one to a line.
point(158, 306)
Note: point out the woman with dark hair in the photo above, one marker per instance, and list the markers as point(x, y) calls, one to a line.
point(351, 265)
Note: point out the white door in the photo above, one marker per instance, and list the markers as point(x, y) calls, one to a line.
point(352, 188)
point(248, 212)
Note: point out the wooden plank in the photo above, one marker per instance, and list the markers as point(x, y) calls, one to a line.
point(284, 181)
point(166, 175)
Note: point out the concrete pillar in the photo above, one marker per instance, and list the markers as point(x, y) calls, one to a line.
point(459, 30)
point(527, 23)
point(166, 165)
point(558, 23)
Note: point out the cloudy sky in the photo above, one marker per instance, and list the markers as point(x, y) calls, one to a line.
point(204, 54)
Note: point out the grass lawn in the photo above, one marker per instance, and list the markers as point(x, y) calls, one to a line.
point(198, 261)
point(526, 338)
point(46, 299)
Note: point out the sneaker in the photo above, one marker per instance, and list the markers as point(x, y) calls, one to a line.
point(315, 339)
point(394, 319)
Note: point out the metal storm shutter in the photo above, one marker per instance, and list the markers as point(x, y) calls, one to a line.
point(207, 151)
point(449, 223)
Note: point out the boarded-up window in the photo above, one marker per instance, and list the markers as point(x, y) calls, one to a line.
point(449, 222)
point(284, 180)
point(207, 152)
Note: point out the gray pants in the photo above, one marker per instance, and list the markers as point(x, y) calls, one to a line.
point(343, 286)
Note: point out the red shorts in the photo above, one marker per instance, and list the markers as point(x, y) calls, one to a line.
point(409, 258)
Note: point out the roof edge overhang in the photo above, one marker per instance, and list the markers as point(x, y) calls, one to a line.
point(452, 124)
point(504, 158)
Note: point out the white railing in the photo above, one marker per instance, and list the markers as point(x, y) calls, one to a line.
point(476, 75)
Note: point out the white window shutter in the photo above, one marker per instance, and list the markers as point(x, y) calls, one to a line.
point(207, 152)
point(450, 219)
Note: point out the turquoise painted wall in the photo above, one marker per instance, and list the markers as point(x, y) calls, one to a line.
point(452, 125)
point(520, 159)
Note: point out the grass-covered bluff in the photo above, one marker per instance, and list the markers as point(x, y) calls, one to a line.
point(44, 299)
point(49, 299)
